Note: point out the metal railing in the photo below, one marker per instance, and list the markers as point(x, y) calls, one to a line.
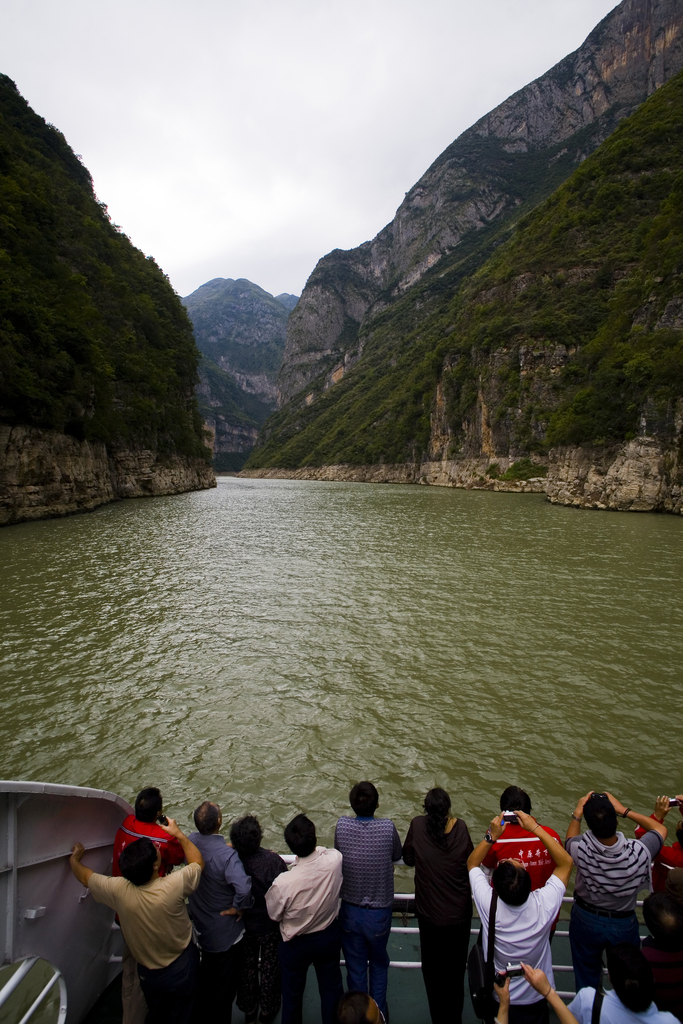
point(19, 977)
point(410, 930)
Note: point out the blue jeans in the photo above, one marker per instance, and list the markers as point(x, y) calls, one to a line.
point(322, 950)
point(365, 933)
point(589, 935)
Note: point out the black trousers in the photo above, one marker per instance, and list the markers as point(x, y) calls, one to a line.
point(218, 977)
point(170, 991)
point(321, 949)
point(444, 959)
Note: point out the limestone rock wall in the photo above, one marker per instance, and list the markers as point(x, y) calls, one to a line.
point(643, 475)
point(44, 474)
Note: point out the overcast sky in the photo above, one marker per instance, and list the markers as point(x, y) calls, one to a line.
point(248, 139)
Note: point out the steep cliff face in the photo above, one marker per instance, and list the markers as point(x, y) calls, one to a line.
point(97, 360)
point(44, 473)
point(505, 164)
point(567, 341)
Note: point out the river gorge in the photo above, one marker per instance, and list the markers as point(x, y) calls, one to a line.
point(269, 642)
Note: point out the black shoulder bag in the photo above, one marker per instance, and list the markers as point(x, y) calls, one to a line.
point(481, 973)
point(597, 1007)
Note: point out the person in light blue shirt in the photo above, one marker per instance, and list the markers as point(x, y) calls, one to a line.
point(216, 911)
point(632, 1001)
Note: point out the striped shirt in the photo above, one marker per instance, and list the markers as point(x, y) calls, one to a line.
point(610, 877)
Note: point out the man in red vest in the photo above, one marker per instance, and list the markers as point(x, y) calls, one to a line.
point(518, 843)
point(148, 807)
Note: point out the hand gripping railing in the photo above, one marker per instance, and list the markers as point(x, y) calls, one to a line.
point(18, 977)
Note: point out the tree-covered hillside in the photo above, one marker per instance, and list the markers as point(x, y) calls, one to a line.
point(94, 342)
point(571, 330)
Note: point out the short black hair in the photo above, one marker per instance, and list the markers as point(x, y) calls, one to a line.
point(148, 804)
point(246, 835)
point(515, 799)
point(353, 1008)
point(631, 976)
point(364, 799)
point(600, 815)
point(664, 918)
point(300, 836)
point(512, 883)
point(206, 818)
point(137, 861)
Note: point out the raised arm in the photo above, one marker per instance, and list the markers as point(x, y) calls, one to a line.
point(563, 860)
point(495, 831)
point(192, 854)
point(80, 871)
point(575, 824)
point(538, 980)
point(643, 820)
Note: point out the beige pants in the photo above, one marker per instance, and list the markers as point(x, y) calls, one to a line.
point(134, 1005)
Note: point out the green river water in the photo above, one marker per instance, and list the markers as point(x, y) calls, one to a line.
point(268, 643)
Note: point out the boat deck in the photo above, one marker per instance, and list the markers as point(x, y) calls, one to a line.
point(406, 997)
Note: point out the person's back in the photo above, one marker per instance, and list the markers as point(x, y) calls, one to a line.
point(663, 950)
point(521, 844)
point(143, 822)
point(154, 921)
point(305, 901)
point(611, 871)
point(632, 998)
point(369, 847)
point(523, 919)
point(259, 989)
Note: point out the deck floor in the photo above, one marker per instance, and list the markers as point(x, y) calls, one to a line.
point(406, 995)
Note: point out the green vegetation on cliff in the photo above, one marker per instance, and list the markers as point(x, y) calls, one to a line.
point(94, 342)
point(572, 328)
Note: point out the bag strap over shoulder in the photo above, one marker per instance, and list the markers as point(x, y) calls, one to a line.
point(597, 1007)
point(489, 966)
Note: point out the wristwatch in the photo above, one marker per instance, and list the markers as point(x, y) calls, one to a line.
point(488, 837)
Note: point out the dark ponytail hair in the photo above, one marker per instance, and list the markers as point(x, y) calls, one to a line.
point(437, 804)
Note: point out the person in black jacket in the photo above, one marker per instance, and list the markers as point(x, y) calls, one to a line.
point(262, 936)
point(438, 846)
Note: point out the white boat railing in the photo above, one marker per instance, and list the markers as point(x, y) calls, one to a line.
point(408, 930)
point(19, 977)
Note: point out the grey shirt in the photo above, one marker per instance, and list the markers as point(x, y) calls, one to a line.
point(224, 884)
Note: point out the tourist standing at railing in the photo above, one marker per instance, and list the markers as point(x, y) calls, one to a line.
point(369, 847)
point(305, 901)
point(149, 806)
point(663, 950)
point(154, 921)
point(438, 845)
point(259, 986)
point(521, 844)
point(669, 857)
point(216, 909)
point(523, 919)
point(611, 871)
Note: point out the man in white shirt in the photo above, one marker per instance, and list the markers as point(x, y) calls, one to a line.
point(524, 918)
point(305, 901)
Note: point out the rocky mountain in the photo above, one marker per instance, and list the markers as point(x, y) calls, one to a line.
point(97, 360)
point(240, 329)
point(500, 167)
point(401, 364)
